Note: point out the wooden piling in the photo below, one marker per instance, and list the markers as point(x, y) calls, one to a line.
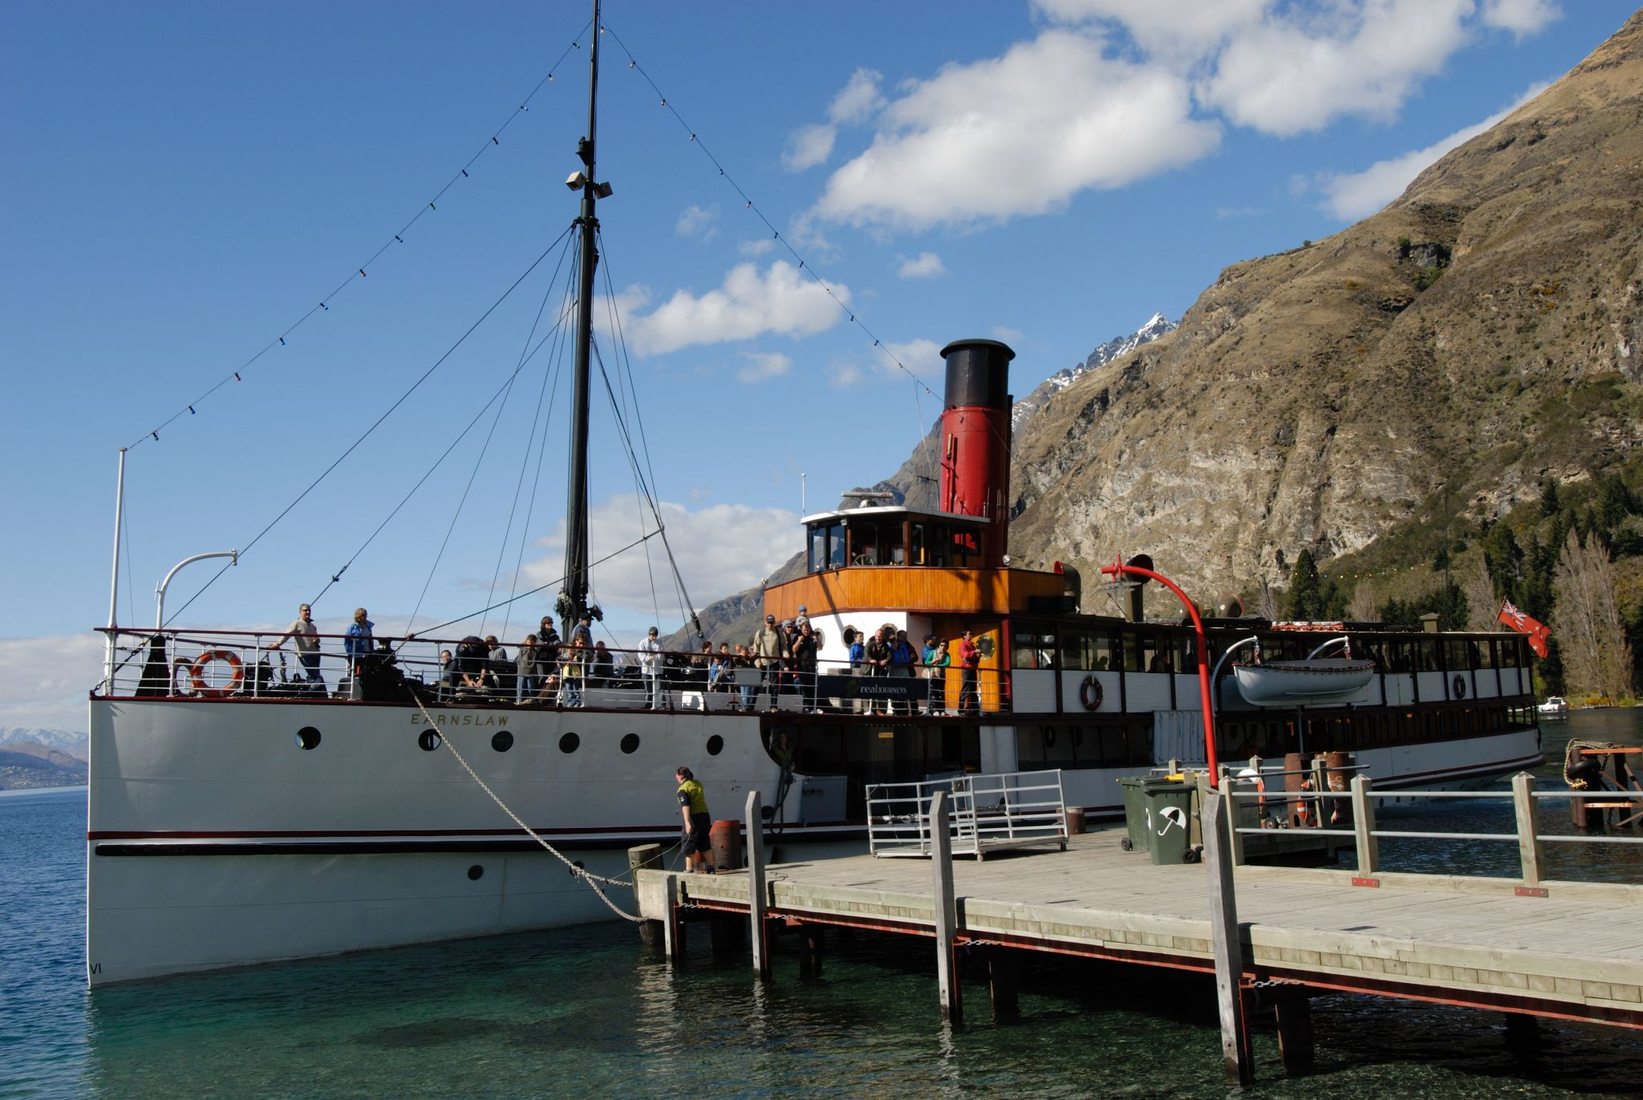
point(1003, 981)
point(1296, 1048)
point(811, 942)
point(757, 898)
point(1522, 1035)
point(946, 911)
point(674, 926)
point(640, 857)
point(1229, 954)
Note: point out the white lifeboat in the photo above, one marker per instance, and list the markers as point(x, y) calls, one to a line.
point(1298, 683)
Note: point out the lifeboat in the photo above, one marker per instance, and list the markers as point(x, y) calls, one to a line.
point(1298, 683)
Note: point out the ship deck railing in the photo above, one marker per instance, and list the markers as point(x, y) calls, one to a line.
point(989, 813)
point(180, 663)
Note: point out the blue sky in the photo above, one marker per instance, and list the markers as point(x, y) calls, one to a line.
point(186, 182)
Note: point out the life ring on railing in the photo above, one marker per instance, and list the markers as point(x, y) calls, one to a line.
point(196, 674)
point(1089, 693)
point(183, 669)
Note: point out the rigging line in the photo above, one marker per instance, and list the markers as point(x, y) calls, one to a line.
point(406, 499)
point(686, 610)
point(558, 581)
point(750, 204)
point(357, 443)
point(500, 400)
point(526, 352)
point(541, 449)
point(359, 273)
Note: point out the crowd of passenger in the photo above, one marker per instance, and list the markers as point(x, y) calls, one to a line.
point(781, 658)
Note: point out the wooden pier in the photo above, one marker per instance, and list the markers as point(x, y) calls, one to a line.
point(1563, 950)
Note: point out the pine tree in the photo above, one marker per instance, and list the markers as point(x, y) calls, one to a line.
point(1305, 592)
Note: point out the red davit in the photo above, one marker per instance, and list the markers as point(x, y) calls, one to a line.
point(975, 439)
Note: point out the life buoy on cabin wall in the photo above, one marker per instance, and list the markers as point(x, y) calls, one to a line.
point(1089, 693)
point(197, 674)
point(1460, 687)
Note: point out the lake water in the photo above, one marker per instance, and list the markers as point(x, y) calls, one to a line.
point(590, 1011)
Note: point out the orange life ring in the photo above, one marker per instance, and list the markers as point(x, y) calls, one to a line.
point(196, 674)
point(1089, 693)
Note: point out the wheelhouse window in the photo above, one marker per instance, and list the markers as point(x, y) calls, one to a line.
point(1032, 647)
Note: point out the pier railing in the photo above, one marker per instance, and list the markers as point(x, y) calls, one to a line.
point(1351, 814)
point(988, 812)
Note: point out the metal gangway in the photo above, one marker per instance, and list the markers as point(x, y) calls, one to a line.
point(988, 813)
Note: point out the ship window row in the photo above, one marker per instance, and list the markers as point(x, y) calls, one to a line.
point(899, 541)
point(1153, 649)
point(1240, 738)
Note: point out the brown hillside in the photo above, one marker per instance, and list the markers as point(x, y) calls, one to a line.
point(1483, 331)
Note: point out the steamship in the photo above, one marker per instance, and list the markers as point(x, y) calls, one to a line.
point(234, 819)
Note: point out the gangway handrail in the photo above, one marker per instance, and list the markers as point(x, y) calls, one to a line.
point(988, 812)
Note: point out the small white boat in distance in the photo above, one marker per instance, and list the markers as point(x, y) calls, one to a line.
point(1555, 706)
point(1298, 683)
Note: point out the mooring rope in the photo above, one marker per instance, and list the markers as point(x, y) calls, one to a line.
point(582, 873)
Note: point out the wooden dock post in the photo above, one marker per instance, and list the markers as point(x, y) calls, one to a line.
point(757, 898)
point(1229, 953)
point(647, 857)
point(1002, 985)
point(1528, 824)
point(674, 927)
point(1296, 1048)
point(811, 942)
point(1363, 827)
point(946, 910)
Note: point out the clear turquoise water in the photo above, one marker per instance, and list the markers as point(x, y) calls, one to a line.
point(591, 1011)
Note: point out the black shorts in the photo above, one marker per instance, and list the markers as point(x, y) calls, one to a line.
point(698, 838)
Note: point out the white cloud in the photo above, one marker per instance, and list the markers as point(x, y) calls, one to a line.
point(782, 300)
point(1179, 32)
point(926, 265)
point(809, 146)
point(46, 680)
point(1006, 334)
point(698, 222)
point(1521, 17)
point(720, 550)
point(757, 247)
point(1350, 196)
point(844, 375)
point(922, 357)
point(763, 366)
point(856, 102)
point(1019, 134)
point(1289, 76)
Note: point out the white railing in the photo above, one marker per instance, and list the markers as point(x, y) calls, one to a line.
point(1351, 814)
point(989, 812)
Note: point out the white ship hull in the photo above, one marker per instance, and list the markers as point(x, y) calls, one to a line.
point(215, 839)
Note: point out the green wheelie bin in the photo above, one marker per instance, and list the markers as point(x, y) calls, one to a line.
point(1168, 819)
point(1135, 813)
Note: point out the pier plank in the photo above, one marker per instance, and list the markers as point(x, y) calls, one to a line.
point(1576, 953)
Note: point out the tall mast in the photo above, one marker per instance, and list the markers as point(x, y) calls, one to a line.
point(575, 596)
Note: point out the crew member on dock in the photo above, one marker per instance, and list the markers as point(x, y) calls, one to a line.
point(698, 823)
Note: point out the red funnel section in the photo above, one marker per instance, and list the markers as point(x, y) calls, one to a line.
point(975, 439)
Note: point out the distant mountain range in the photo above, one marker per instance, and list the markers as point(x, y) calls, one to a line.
point(33, 758)
point(1157, 325)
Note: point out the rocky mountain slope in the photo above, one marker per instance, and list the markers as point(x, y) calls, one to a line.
point(1434, 364)
point(1483, 332)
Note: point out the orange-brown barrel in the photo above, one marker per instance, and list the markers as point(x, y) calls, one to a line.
point(725, 838)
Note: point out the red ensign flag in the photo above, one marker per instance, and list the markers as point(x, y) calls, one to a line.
point(1523, 624)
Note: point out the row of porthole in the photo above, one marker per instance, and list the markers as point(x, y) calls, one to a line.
point(428, 740)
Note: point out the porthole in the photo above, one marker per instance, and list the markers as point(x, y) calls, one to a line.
point(502, 742)
point(475, 873)
point(569, 742)
point(715, 745)
point(428, 741)
point(630, 743)
point(308, 738)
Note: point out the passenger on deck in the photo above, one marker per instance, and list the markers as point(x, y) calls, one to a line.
point(902, 659)
point(767, 648)
point(936, 662)
point(878, 663)
point(357, 646)
point(744, 678)
point(602, 670)
point(857, 643)
point(305, 639)
point(803, 650)
point(572, 673)
point(969, 663)
point(650, 668)
point(527, 673)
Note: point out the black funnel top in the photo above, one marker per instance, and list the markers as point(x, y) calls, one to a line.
point(978, 373)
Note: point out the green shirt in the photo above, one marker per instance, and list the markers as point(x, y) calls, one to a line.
point(692, 795)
